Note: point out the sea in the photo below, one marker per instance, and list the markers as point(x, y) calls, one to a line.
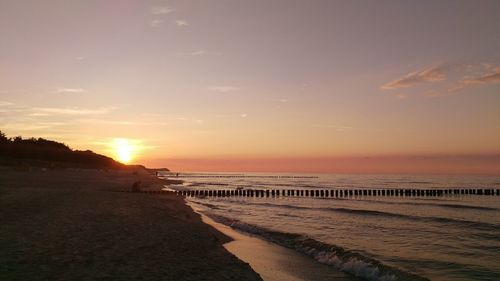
point(453, 237)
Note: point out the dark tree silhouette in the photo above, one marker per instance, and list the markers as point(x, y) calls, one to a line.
point(39, 151)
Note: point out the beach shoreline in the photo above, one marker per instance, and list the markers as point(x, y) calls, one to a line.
point(271, 261)
point(76, 224)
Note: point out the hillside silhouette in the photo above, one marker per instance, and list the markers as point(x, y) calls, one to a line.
point(48, 153)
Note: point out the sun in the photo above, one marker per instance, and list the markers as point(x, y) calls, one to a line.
point(124, 150)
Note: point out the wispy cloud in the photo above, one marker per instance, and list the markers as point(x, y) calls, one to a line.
point(193, 53)
point(431, 74)
point(155, 22)
point(475, 75)
point(336, 127)
point(447, 91)
point(344, 128)
point(38, 114)
point(223, 89)
point(243, 115)
point(5, 103)
point(458, 76)
point(72, 111)
point(70, 90)
point(30, 124)
point(11, 108)
point(181, 23)
point(111, 122)
point(24, 126)
point(187, 120)
point(198, 53)
point(487, 78)
point(160, 10)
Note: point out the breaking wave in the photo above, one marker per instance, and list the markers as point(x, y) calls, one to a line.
point(341, 259)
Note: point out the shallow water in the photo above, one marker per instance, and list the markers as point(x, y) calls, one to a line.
point(377, 238)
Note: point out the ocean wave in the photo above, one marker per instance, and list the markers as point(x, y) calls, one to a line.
point(444, 205)
point(365, 212)
point(466, 223)
point(211, 206)
point(341, 259)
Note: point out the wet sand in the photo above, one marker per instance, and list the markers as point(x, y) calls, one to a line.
point(273, 262)
point(77, 225)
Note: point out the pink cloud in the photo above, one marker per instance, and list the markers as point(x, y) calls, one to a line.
point(430, 74)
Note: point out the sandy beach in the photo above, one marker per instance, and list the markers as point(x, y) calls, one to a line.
point(78, 225)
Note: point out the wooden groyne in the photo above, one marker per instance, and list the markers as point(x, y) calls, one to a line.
point(223, 176)
point(332, 193)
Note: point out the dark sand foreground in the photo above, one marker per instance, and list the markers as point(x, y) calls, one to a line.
point(75, 225)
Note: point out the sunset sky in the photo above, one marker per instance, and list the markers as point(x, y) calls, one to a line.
point(246, 85)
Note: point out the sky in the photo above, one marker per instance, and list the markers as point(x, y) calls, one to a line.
point(248, 85)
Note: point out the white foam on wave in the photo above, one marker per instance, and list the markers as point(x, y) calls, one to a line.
point(344, 260)
point(353, 266)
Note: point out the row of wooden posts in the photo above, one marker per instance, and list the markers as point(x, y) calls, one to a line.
point(323, 193)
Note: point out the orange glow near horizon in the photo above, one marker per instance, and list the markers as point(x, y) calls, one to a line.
point(124, 150)
point(437, 164)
